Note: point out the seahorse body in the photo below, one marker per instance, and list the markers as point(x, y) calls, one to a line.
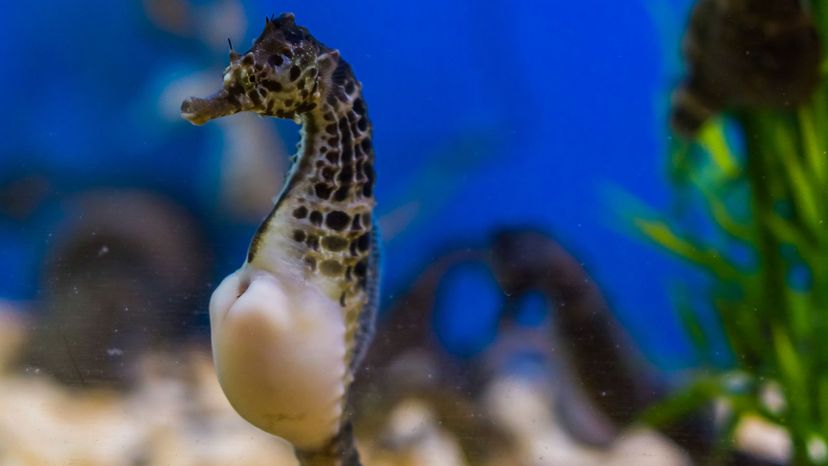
point(290, 327)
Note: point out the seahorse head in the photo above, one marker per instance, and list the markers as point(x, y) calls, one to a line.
point(278, 76)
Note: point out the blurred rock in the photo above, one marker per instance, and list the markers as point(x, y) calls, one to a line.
point(413, 437)
point(763, 439)
point(525, 410)
point(12, 335)
point(174, 416)
point(125, 274)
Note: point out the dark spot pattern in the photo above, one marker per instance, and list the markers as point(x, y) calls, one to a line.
point(346, 174)
point(364, 242)
point(337, 220)
point(342, 193)
point(275, 60)
point(271, 85)
point(359, 106)
point(340, 74)
point(305, 107)
point(254, 97)
point(293, 35)
point(367, 190)
point(316, 217)
point(323, 190)
point(313, 242)
point(361, 268)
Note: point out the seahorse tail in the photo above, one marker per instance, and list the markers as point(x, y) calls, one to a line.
point(340, 451)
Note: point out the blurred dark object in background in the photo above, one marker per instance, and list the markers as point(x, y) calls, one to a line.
point(598, 358)
point(746, 53)
point(604, 364)
point(598, 350)
point(21, 196)
point(598, 380)
point(406, 361)
point(125, 274)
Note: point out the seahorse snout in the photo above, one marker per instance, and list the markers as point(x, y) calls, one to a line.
point(198, 111)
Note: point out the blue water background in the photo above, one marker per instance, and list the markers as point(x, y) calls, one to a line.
point(486, 113)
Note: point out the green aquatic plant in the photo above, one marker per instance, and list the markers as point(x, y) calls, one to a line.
point(754, 219)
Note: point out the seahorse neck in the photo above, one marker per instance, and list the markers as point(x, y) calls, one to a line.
point(334, 147)
point(332, 175)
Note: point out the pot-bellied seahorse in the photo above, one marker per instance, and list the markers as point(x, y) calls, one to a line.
point(290, 327)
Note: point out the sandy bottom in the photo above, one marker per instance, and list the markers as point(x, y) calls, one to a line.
point(175, 414)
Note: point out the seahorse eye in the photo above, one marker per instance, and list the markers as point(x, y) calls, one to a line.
point(275, 60)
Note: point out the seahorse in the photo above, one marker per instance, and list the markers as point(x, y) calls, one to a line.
point(290, 327)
